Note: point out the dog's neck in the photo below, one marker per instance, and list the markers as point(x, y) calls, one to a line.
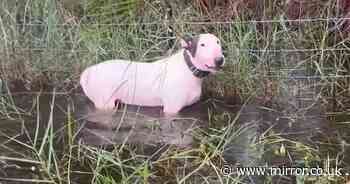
point(195, 71)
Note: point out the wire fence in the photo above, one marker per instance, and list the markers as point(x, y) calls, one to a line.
point(237, 50)
point(165, 22)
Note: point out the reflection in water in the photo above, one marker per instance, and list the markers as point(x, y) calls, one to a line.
point(143, 125)
point(102, 128)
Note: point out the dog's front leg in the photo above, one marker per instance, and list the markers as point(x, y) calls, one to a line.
point(170, 111)
point(173, 101)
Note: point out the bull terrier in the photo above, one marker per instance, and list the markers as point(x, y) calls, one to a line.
point(172, 82)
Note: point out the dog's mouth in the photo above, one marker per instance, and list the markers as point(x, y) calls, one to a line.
point(215, 68)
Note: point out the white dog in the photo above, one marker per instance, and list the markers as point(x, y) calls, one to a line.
point(173, 82)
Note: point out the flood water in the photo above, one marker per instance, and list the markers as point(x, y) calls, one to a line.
point(145, 126)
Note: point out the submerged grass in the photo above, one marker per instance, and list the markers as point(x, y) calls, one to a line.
point(40, 50)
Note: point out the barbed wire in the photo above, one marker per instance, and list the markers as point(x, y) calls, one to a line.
point(238, 50)
point(320, 19)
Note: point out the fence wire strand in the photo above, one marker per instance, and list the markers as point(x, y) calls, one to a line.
point(239, 50)
point(165, 22)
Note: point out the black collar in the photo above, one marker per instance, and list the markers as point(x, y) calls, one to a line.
point(196, 72)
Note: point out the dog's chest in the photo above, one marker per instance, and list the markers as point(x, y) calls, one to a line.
point(194, 95)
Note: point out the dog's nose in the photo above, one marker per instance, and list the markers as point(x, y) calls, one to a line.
point(219, 61)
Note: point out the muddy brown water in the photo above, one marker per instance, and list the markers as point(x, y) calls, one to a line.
point(146, 126)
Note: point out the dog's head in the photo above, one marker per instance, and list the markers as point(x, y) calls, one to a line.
point(206, 52)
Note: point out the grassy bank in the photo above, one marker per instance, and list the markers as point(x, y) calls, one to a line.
point(287, 67)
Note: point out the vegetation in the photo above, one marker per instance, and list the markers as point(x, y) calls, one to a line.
point(294, 73)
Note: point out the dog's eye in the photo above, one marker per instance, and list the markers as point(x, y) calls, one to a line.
point(218, 42)
point(202, 44)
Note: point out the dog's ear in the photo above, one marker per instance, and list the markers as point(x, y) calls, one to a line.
point(187, 42)
point(190, 43)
